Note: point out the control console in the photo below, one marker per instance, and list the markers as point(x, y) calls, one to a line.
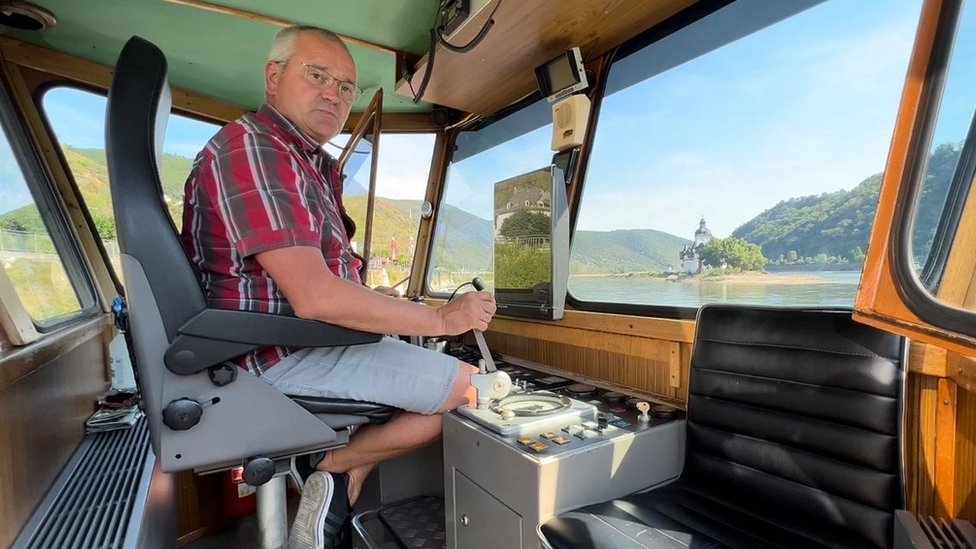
point(550, 445)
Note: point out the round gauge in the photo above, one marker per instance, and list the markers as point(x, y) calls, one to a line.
point(581, 390)
point(426, 210)
point(531, 404)
point(661, 410)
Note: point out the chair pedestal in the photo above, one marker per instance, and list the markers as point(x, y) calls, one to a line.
point(273, 513)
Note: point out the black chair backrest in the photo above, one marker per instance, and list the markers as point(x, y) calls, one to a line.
point(136, 114)
point(794, 416)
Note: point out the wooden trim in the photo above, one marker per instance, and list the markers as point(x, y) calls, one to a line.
point(878, 301)
point(279, 22)
point(525, 35)
point(15, 321)
point(928, 360)
point(664, 329)
point(22, 361)
point(674, 365)
point(99, 76)
point(945, 449)
point(425, 229)
point(397, 122)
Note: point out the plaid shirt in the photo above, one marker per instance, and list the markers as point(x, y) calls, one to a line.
point(260, 184)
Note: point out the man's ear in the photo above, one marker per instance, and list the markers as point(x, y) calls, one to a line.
point(272, 71)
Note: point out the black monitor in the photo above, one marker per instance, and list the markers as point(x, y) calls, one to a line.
point(561, 76)
point(531, 244)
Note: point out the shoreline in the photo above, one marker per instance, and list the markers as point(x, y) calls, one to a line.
point(740, 278)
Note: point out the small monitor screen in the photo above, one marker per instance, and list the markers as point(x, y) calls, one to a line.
point(562, 76)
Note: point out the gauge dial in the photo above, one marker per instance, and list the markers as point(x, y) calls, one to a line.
point(531, 404)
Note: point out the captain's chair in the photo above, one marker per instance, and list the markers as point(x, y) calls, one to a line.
point(202, 415)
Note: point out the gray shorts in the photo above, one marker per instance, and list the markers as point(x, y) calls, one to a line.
point(390, 372)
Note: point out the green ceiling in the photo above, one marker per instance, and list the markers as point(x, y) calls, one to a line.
point(222, 55)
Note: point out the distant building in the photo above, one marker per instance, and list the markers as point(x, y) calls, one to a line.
point(691, 261)
point(521, 199)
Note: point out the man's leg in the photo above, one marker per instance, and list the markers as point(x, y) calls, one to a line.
point(404, 433)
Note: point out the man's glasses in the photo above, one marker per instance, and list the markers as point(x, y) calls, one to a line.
point(320, 78)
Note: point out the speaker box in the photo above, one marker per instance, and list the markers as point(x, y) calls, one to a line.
point(569, 118)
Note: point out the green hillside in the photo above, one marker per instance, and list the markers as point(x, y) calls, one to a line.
point(91, 175)
point(625, 251)
point(839, 223)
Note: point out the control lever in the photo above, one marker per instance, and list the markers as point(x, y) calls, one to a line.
point(489, 382)
point(489, 362)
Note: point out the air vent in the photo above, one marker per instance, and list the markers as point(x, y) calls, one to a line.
point(22, 15)
point(933, 533)
point(90, 504)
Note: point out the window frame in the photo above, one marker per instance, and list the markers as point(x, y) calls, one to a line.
point(892, 296)
point(18, 324)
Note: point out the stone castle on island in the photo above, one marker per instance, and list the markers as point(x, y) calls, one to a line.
point(691, 261)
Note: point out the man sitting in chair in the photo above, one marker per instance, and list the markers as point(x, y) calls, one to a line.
point(263, 222)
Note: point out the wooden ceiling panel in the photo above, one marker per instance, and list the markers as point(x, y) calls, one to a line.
point(499, 71)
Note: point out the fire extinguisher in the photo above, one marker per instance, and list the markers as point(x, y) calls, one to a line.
point(238, 496)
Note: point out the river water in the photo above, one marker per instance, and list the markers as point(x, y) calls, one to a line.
point(828, 288)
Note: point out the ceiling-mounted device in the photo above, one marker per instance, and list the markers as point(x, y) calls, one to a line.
point(561, 76)
point(19, 14)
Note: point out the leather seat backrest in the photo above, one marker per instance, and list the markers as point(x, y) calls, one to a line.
point(797, 413)
point(138, 107)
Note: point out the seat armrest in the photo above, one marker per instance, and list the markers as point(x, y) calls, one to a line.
point(213, 336)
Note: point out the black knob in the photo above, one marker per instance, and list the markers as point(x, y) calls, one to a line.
point(478, 283)
point(182, 414)
point(258, 471)
point(222, 374)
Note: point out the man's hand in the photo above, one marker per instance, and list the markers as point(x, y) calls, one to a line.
point(386, 290)
point(467, 311)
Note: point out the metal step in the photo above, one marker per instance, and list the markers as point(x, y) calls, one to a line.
point(415, 523)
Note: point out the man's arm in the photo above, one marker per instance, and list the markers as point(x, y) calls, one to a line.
point(314, 292)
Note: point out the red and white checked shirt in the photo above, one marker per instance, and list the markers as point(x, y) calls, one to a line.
point(260, 184)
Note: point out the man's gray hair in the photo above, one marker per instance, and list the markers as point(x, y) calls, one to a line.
point(283, 45)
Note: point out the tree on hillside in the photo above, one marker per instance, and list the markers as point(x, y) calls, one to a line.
point(733, 252)
point(524, 223)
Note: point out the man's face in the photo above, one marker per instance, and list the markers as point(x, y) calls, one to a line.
point(320, 113)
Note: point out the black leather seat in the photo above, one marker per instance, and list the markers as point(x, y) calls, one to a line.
point(202, 414)
point(793, 441)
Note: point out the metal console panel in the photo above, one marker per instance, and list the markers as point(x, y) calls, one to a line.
point(499, 488)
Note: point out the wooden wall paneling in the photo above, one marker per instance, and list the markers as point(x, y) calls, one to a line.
point(200, 506)
point(921, 404)
point(43, 413)
point(965, 477)
point(643, 364)
point(945, 448)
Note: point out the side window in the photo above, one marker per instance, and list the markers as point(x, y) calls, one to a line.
point(73, 114)
point(44, 283)
point(945, 208)
point(743, 165)
point(401, 182)
point(463, 237)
